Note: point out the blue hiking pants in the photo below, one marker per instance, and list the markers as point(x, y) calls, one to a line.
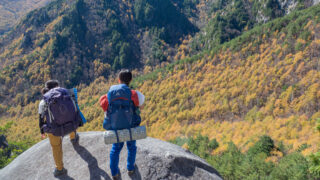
point(114, 156)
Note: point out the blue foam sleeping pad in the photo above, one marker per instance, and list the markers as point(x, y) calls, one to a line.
point(76, 97)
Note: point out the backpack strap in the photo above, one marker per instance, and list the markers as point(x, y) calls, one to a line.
point(74, 104)
point(130, 134)
point(74, 97)
point(117, 136)
point(50, 113)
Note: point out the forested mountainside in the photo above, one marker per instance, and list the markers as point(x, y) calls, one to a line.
point(12, 10)
point(266, 81)
point(230, 18)
point(78, 41)
point(262, 80)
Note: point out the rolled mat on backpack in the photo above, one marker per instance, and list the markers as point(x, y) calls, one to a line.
point(110, 136)
point(74, 93)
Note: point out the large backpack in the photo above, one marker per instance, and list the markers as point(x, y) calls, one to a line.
point(121, 112)
point(121, 108)
point(62, 115)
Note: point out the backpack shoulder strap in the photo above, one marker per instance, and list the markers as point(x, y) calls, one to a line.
point(108, 97)
point(74, 97)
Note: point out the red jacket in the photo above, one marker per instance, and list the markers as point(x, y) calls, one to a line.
point(104, 100)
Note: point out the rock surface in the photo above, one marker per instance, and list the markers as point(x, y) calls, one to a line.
point(90, 160)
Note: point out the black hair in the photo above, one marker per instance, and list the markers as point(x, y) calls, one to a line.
point(125, 76)
point(52, 84)
point(44, 90)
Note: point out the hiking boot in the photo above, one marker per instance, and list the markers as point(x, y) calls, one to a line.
point(57, 172)
point(116, 177)
point(75, 140)
point(130, 173)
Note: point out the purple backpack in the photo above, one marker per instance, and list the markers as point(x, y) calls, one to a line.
point(62, 115)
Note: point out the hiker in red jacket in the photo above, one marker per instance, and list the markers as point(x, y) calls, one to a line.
point(118, 98)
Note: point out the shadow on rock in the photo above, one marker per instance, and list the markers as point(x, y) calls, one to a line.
point(64, 177)
point(95, 171)
point(186, 167)
point(136, 175)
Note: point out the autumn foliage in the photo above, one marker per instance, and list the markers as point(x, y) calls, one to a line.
point(265, 82)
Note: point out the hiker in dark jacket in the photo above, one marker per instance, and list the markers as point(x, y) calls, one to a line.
point(137, 100)
point(55, 141)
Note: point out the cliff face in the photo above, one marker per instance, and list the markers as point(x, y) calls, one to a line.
point(289, 5)
point(90, 160)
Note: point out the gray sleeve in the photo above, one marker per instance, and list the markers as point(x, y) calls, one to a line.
point(41, 109)
point(141, 98)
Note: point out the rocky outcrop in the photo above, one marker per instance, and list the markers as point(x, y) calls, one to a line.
point(90, 160)
point(289, 5)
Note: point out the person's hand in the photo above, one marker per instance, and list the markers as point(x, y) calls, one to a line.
point(43, 136)
point(141, 107)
